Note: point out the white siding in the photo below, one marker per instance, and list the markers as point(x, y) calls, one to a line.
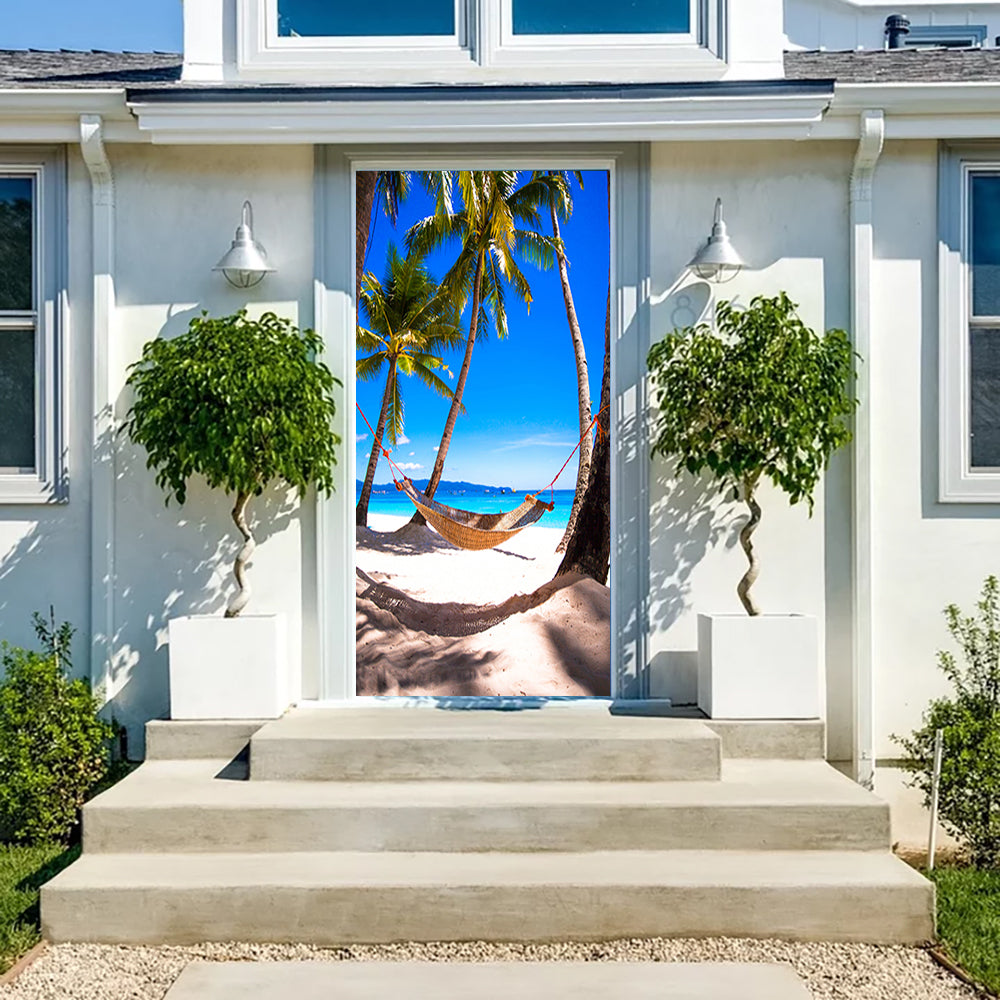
point(842, 24)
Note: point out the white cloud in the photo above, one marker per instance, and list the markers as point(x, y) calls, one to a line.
point(409, 466)
point(358, 438)
point(402, 439)
point(436, 447)
point(536, 441)
point(412, 453)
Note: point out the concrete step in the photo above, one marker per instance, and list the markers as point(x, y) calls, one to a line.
point(179, 806)
point(486, 981)
point(179, 739)
point(341, 898)
point(580, 744)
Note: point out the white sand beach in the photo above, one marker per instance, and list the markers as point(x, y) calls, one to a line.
point(436, 619)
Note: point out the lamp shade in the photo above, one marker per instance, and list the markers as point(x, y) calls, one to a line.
point(245, 264)
point(718, 259)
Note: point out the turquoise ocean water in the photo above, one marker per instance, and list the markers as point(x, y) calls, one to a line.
point(481, 501)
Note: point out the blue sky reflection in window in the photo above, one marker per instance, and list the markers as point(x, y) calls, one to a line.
point(599, 17)
point(985, 244)
point(342, 19)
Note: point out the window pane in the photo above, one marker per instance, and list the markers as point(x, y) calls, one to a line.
point(17, 399)
point(338, 18)
point(598, 17)
point(16, 243)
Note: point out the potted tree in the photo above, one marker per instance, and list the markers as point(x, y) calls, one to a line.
point(243, 403)
point(758, 396)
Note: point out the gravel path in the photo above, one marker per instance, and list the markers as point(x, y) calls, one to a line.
point(832, 971)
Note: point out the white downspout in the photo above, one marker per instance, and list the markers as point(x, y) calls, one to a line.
point(102, 508)
point(872, 139)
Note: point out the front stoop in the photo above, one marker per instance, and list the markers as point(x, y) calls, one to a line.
point(362, 826)
point(486, 981)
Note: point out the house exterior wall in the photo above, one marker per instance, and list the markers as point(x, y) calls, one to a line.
point(786, 206)
point(176, 209)
point(927, 554)
point(45, 549)
point(840, 25)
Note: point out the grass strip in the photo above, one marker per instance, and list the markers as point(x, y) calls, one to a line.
point(968, 908)
point(23, 870)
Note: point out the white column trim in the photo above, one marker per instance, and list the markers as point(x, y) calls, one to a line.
point(870, 145)
point(102, 510)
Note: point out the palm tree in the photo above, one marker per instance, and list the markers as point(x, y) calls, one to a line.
point(411, 320)
point(561, 206)
point(497, 223)
point(588, 549)
point(388, 188)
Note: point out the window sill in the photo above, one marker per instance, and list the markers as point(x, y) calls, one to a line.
point(514, 65)
point(30, 490)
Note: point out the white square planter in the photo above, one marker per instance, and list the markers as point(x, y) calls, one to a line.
point(229, 668)
point(763, 667)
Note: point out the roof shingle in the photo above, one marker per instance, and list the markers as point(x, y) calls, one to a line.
point(22, 69)
point(896, 65)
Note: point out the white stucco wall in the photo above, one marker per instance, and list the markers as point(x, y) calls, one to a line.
point(786, 206)
point(927, 554)
point(177, 211)
point(45, 550)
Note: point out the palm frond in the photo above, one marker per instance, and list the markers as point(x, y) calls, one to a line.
point(368, 369)
point(438, 385)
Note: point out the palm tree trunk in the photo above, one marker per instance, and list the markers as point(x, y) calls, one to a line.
point(456, 402)
point(361, 514)
point(241, 600)
point(582, 385)
point(588, 550)
point(364, 201)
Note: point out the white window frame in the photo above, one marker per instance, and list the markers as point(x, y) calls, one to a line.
point(47, 481)
point(261, 46)
point(483, 48)
point(958, 481)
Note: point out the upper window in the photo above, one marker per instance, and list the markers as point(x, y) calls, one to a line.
point(598, 17)
point(457, 41)
point(343, 19)
point(949, 36)
point(30, 466)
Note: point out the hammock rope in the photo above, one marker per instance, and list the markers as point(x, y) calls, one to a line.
point(467, 529)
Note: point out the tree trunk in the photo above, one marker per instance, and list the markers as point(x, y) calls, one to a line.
point(361, 514)
point(588, 550)
point(582, 386)
point(243, 558)
point(365, 200)
point(746, 540)
point(456, 402)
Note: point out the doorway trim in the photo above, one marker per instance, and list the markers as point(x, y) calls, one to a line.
point(334, 681)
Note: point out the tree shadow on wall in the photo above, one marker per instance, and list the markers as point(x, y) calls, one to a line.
point(689, 518)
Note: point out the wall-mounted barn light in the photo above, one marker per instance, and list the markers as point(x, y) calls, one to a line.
point(717, 260)
point(246, 262)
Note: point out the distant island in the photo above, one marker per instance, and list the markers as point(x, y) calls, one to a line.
point(445, 486)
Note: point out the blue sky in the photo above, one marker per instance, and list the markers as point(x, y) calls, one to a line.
point(521, 419)
point(92, 24)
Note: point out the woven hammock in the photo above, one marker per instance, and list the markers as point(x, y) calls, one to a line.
point(473, 531)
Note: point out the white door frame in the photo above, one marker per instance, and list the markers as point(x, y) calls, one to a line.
point(334, 320)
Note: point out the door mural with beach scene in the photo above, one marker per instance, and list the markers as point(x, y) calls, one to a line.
point(483, 433)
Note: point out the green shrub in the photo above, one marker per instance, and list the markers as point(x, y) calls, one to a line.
point(969, 797)
point(53, 747)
